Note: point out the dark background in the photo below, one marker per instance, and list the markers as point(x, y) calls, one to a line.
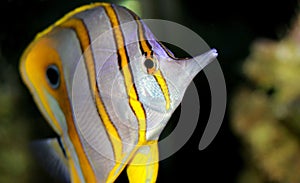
point(230, 26)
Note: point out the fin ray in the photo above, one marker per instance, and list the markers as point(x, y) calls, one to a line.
point(144, 165)
point(52, 157)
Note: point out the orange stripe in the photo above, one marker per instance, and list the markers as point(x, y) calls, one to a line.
point(160, 79)
point(146, 48)
point(83, 36)
point(43, 49)
point(134, 102)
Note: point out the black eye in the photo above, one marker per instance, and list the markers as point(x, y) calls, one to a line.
point(149, 64)
point(52, 74)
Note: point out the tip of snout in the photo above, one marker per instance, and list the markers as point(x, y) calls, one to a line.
point(206, 58)
point(214, 52)
point(198, 63)
point(210, 55)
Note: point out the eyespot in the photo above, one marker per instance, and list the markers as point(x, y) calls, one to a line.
point(53, 76)
point(150, 65)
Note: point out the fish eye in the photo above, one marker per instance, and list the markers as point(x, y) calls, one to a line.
point(53, 78)
point(149, 64)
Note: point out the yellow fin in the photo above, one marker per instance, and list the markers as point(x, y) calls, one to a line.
point(144, 165)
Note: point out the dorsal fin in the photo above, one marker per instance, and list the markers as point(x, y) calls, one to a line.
point(51, 155)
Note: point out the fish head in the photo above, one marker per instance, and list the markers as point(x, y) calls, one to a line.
point(161, 81)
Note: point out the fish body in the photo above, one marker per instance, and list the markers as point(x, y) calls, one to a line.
point(107, 87)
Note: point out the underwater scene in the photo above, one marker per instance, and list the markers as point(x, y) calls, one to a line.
point(255, 44)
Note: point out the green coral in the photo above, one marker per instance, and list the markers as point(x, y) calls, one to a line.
point(267, 116)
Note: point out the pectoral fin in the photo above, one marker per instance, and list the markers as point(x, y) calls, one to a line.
point(51, 156)
point(144, 165)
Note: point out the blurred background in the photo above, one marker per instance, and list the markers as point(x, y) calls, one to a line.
point(259, 51)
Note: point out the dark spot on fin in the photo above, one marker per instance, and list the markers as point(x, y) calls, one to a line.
point(62, 147)
point(52, 156)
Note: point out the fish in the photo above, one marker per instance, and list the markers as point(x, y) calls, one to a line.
point(107, 87)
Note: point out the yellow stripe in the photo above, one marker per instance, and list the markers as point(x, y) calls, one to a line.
point(61, 95)
point(41, 48)
point(146, 49)
point(82, 33)
point(134, 103)
point(158, 75)
point(68, 16)
point(72, 132)
point(163, 86)
point(131, 91)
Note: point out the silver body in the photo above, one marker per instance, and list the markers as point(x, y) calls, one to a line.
point(110, 80)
